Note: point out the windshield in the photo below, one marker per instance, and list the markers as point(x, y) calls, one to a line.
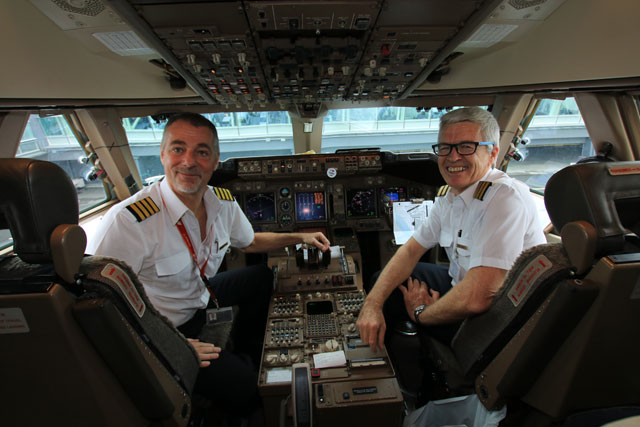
point(243, 134)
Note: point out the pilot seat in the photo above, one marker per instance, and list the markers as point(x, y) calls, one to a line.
point(81, 343)
point(559, 344)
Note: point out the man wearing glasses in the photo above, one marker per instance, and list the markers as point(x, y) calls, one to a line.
point(483, 219)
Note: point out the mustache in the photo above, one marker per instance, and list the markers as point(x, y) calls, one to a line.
point(189, 171)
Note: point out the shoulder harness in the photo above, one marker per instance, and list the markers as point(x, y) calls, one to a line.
point(223, 194)
point(143, 209)
point(481, 190)
point(442, 191)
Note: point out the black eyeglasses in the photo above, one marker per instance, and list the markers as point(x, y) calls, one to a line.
point(464, 148)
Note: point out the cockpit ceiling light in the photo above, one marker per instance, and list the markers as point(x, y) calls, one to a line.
point(124, 43)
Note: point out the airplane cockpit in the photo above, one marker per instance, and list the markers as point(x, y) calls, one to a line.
point(327, 116)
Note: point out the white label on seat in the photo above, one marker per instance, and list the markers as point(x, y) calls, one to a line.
point(527, 278)
point(12, 321)
point(120, 278)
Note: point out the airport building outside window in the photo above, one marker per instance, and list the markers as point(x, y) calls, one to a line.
point(51, 139)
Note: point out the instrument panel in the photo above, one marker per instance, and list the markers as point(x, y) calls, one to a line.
point(287, 193)
point(312, 320)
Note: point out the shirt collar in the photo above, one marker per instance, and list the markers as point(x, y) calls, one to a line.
point(467, 194)
point(176, 209)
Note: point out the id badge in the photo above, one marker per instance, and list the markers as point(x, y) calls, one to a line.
point(219, 315)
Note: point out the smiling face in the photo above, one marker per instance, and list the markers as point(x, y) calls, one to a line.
point(458, 171)
point(189, 159)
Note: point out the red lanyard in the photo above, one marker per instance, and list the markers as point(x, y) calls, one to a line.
point(187, 241)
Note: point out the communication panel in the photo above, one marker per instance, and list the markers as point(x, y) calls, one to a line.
point(312, 318)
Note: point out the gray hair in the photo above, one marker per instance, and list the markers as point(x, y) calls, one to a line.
point(195, 120)
point(489, 129)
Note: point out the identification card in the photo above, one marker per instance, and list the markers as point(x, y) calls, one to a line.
point(219, 315)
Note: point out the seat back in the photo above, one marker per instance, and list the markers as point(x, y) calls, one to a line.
point(83, 345)
point(577, 350)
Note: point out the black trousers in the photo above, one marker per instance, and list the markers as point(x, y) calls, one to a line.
point(437, 278)
point(230, 382)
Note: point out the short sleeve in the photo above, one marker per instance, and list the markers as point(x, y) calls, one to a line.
point(120, 236)
point(241, 234)
point(428, 233)
point(499, 237)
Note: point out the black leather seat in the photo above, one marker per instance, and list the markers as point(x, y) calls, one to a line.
point(561, 335)
point(81, 343)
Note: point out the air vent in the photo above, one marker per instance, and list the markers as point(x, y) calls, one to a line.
point(523, 4)
point(81, 7)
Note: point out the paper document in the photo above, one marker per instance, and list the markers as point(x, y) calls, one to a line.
point(278, 375)
point(407, 216)
point(329, 360)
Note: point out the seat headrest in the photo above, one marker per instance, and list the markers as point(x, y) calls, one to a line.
point(36, 197)
point(606, 195)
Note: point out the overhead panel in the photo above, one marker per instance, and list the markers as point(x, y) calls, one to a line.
point(249, 53)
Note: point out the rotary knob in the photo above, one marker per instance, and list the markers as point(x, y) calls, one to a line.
point(331, 345)
point(296, 357)
point(271, 359)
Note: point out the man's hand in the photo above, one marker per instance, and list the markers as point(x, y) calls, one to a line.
point(417, 293)
point(317, 239)
point(372, 326)
point(206, 352)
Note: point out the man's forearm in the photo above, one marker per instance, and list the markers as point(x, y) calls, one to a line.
point(266, 241)
point(472, 295)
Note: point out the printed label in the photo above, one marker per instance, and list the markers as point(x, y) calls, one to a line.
point(529, 275)
point(12, 321)
point(624, 170)
point(117, 275)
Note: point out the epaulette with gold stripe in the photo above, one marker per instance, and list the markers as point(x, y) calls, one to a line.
point(481, 190)
point(223, 194)
point(143, 209)
point(442, 191)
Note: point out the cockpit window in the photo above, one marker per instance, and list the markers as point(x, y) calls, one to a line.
point(51, 139)
point(241, 134)
point(387, 128)
point(557, 137)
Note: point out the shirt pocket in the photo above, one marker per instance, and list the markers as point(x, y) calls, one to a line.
point(173, 264)
point(463, 253)
point(446, 238)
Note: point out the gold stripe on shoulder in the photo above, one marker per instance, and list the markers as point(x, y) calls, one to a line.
point(143, 209)
point(442, 191)
point(223, 194)
point(481, 190)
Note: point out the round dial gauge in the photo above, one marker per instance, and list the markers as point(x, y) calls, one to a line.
point(285, 220)
point(285, 205)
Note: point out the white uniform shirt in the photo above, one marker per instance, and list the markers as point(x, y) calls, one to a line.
point(156, 251)
point(491, 232)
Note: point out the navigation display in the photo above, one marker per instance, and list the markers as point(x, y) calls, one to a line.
point(260, 207)
point(394, 194)
point(361, 203)
point(311, 206)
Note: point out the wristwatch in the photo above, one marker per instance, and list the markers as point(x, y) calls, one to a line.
point(416, 312)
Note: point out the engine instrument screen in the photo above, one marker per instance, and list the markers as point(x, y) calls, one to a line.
point(319, 307)
point(361, 203)
point(394, 194)
point(260, 207)
point(311, 206)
